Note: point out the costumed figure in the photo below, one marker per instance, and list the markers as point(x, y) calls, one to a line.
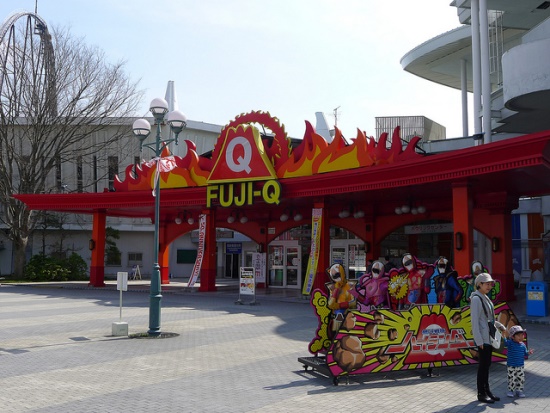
point(476, 268)
point(373, 289)
point(340, 296)
point(418, 280)
point(446, 283)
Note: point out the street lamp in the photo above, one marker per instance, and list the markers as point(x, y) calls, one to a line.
point(142, 129)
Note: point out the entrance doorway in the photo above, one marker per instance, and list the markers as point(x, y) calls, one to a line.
point(285, 265)
point(351, 254)
point(232, 265)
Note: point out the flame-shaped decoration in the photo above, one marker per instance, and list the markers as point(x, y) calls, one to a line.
point(312, 156)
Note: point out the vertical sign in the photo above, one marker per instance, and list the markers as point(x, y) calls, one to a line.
point(122, 281)
point(316, 218)
point(259, 263)
point(247, 284)
point(121, 285)
point(200, 252)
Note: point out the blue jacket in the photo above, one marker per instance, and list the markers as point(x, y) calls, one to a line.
point(516, 353)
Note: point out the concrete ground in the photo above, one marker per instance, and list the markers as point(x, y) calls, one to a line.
point(57, 354)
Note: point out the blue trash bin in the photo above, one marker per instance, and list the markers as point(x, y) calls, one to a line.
point(537, 299)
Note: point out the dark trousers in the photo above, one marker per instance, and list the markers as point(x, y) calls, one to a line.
point(485, 355)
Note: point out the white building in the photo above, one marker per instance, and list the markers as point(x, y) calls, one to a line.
point(500, 55)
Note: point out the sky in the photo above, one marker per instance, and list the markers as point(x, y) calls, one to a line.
point(291, 58)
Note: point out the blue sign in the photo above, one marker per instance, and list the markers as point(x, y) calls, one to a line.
point(233, 247)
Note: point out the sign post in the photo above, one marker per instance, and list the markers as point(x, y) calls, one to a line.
point(247, 284)
point(120, 328)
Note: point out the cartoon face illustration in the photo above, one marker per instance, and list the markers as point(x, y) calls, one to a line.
point(336, 272)
point(408, 262)
point(442, 264)
point(377, 269)
point(477, 267)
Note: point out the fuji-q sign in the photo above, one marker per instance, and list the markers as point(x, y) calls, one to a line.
point(243, 193)
point(242, 172)
point(239, 163)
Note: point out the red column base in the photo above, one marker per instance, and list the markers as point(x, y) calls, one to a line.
point(164, 276)
point(208, 280)
point(97, 277)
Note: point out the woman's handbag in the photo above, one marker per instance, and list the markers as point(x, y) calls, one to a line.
point(494, 333)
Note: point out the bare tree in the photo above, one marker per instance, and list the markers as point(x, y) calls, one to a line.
point(60, 100)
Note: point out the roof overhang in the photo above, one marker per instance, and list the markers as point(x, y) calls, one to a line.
point(517, 166)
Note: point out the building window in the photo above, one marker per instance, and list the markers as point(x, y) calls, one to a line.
point(186, 256)
point(95, 173)
point(58, 180)
point(113, 171)
point(135, 258)
point(79, 186)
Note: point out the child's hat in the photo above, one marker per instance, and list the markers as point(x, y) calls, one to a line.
point(515, 329)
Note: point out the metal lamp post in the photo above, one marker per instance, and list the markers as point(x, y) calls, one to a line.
point(142, 129)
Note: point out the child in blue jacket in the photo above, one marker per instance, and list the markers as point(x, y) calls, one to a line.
point(517, 352)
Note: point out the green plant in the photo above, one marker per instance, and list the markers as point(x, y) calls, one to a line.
point(43, 268)
point(78, 269)
point(112, 253)
point(48, 268)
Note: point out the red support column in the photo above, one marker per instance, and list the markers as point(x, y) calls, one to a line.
point(373, 251)
point(501, 256)
point(97, 246)
point(463, 231)
point(497, 224)
point(413, 244)
point(164, 254)
point(209, 263)
point(164, 262)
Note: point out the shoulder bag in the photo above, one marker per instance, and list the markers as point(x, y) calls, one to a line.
point(494, 333)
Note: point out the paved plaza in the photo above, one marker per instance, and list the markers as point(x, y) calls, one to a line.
point(58, 355)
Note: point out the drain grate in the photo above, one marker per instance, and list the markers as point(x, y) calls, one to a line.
point(79, 338)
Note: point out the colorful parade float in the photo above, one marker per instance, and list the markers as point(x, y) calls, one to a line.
point(413, 317)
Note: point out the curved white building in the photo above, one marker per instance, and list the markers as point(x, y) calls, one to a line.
point(500, 54)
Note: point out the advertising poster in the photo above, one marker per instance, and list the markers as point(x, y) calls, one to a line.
point(259, 264)
point(200, 252)
point(247, 285)
point(316, 218)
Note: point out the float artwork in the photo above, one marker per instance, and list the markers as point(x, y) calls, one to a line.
point(391, 335)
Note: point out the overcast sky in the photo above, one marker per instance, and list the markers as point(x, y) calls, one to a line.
point(289, 57)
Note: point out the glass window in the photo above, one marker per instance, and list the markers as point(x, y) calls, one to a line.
point(135, 258)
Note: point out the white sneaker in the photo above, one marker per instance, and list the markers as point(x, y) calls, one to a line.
point(520, 394)
point(510, 394)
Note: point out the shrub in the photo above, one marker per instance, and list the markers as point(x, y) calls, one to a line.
point(78, 269)
point(44, 268)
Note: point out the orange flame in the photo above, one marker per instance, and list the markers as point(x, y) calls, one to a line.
point(313, 156)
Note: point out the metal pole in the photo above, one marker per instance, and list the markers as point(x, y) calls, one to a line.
point(142, 129)
point(155, 293)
